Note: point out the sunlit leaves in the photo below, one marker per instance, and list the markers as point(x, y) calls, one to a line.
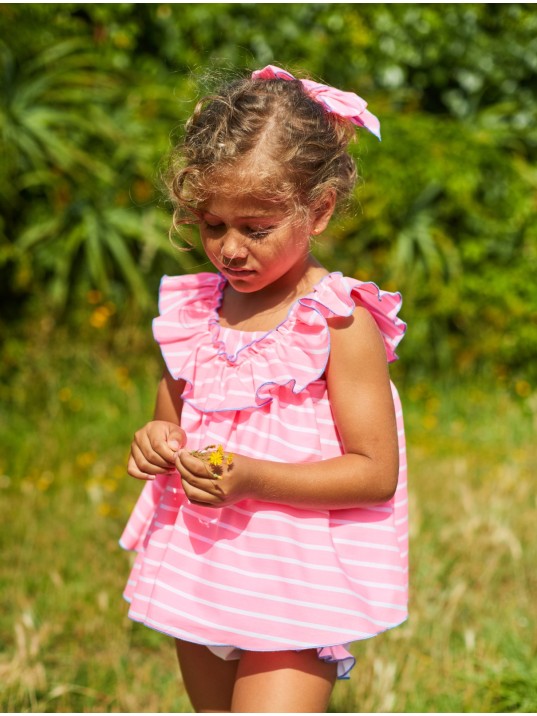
point(78, 144)
point(446, 211)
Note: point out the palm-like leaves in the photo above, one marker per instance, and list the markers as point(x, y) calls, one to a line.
point(70, 160)
point(52, 106)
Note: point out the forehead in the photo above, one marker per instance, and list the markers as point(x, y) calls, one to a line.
point(243, 207)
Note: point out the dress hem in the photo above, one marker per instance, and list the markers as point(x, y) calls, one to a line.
point(168, 631)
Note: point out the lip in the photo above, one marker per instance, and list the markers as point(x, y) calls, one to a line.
point(237, 273)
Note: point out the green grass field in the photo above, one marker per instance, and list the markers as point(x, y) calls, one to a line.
point(66, 419)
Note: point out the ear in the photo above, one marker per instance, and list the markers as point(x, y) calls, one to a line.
point(322, 212)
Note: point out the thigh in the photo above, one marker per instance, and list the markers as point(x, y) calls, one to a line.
point(208, 680)
point(283, 682)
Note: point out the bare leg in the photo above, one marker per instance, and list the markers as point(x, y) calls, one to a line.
point(208, 680)
point(283, 682)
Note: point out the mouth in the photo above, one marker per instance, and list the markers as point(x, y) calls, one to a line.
point(236, 273)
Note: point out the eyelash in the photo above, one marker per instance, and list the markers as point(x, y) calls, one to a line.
point(256, 234)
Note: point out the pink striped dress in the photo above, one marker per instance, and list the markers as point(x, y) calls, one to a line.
point(259, 576)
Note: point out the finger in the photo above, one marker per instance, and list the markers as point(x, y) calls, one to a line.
point(203, 480)
point(163, 449)
point(201, 489)
point(134, 471)
point(198, 496)
point(142, 463)
point(145, 455)
point(147, 467)
point(176, 439)
point(206, 484)
point(197, 468)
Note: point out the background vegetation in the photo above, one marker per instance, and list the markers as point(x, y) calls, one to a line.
point(447, 213)
point(90, 97)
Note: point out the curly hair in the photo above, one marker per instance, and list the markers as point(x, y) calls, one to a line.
point(267, 138)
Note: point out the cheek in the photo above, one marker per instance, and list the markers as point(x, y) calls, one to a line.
point(210, 246)
point(298, 243)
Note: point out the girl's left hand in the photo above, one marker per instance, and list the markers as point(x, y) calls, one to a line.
point(232, 485)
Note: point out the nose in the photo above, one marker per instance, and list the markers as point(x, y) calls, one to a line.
point(233, 248)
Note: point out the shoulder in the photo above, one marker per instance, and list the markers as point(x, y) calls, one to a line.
point(356, 340)
point(338, 298)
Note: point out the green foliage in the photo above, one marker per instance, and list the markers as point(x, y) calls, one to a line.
point(91, 94)
point(77, 198)
point(67, 414)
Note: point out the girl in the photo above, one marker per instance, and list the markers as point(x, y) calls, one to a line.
point(267, 563)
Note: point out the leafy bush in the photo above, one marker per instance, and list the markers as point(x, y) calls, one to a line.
point(81, 142)
point(446, 210)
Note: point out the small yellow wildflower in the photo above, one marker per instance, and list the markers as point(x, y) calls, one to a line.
point(214, 456)
point(65, 394)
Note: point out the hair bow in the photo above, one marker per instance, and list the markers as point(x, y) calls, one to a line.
point(344, 104)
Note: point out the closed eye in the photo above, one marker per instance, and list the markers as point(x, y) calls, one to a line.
point(252, 232)
point(213, 227)
point(259, 233)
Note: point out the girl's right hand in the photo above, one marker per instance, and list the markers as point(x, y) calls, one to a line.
point(154, 449)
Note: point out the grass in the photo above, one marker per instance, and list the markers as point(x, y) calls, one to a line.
point(67, 413)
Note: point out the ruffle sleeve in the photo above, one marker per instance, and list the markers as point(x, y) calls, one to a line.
point(292, 355)
point(338, 295)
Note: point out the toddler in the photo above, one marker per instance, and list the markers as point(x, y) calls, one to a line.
point(272, 531)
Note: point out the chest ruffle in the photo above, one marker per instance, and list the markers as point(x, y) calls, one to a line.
point(291, 356)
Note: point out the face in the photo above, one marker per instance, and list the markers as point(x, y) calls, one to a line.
point(254, 243)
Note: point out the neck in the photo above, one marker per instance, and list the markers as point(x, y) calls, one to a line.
point(267, 308)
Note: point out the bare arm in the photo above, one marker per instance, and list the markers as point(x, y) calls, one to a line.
point(169, 403)
point(155, 446)
point(362, 404)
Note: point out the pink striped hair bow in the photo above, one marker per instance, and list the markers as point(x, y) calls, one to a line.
point(344, 104)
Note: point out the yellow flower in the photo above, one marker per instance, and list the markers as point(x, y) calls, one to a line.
point(215, 458)
point(65, 394)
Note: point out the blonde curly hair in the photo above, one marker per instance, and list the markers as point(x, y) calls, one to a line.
point(266, 138)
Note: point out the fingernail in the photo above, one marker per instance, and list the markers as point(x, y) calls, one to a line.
point(174, 444)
